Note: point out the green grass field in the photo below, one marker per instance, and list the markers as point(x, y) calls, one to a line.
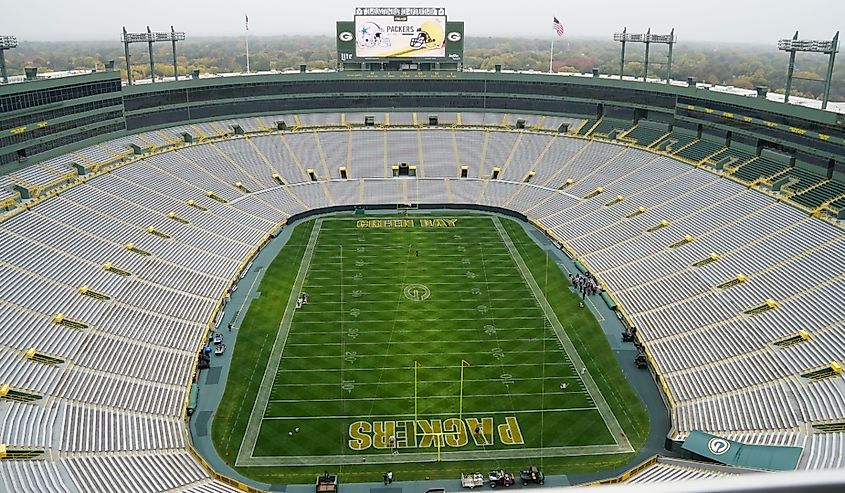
point(424, 338)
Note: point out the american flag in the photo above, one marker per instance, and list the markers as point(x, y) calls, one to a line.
point(558, 27)
point(246, 21)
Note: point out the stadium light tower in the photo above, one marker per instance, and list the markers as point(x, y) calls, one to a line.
point(647, 38)
point(6, 43)
point(150, 37)
point(795, 45)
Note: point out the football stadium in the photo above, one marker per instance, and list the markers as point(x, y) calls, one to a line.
point(402, 269)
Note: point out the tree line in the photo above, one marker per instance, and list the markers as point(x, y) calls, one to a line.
point(744, 66)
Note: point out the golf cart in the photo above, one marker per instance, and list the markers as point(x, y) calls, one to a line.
point(472, 480)
point(498, 477)
point(327, 483)
point(532, 475)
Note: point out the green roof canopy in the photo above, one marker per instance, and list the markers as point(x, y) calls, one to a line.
point(741, 454)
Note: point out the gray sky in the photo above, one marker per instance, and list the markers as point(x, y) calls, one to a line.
point(755, 21)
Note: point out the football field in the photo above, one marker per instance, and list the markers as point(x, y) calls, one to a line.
point(424, 338)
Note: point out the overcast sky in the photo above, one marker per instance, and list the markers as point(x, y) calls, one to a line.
point(754, 21)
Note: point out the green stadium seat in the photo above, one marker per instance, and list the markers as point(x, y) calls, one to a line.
point(729, 158)
point(586, 127)
point(644, 136)
point(700, 150)
point(610, 128)
point(828, 191)
point(762, 167)
point(674, 142)
point(796, 180)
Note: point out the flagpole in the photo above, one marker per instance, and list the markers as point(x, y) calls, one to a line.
point(246, 36)
point(552, 54)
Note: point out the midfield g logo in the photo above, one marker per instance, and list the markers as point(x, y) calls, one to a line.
point(718, 446)
point(417, 292)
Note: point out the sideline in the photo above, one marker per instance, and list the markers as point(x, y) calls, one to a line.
point(571, 352)
point(254, 425)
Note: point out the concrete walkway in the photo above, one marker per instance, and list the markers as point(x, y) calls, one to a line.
point(212, 382)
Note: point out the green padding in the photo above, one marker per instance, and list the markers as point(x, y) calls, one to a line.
point(741, 454)
point(192, 399)
point(580, 267)
point(608, 301)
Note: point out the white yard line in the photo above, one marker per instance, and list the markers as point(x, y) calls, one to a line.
point(398, 304)
point(473, 319)
point(562, 363)
point(449, 415)
point(418, 330)
point(429, 396)
point(432, 341)
point(459, 355)
point(254, 425)
point(405, 382)
point(447, 456)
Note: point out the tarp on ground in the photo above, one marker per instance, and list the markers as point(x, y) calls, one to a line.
point(738, 454)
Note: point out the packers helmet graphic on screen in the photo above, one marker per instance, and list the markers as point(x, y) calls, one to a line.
point(430, 34)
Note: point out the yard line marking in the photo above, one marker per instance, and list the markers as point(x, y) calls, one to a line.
point(604, 409)
point(254, 424)
point(380, 299)
point(316, 332)
point(397, 382)
point(470, 309)
point(395, 316)
point(428, 341)
point(461, 277)
point(494, 321)
point(388, 354)
point(448, 456)
point(474, 319)
point(411, 415)
point(411, 397)
point(423, 260)
point(436, 367)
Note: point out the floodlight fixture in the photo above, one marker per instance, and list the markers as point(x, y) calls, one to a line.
point(151, 37)
point(794, 45)
point(813, 46)
point(648, 38)
point(6, 43)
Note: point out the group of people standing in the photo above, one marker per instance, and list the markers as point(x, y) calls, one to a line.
point(586, 284)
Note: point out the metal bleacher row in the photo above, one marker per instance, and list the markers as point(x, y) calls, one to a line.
point(670, 470)
point(111, 283)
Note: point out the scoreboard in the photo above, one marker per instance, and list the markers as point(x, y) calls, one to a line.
point(396, 38)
